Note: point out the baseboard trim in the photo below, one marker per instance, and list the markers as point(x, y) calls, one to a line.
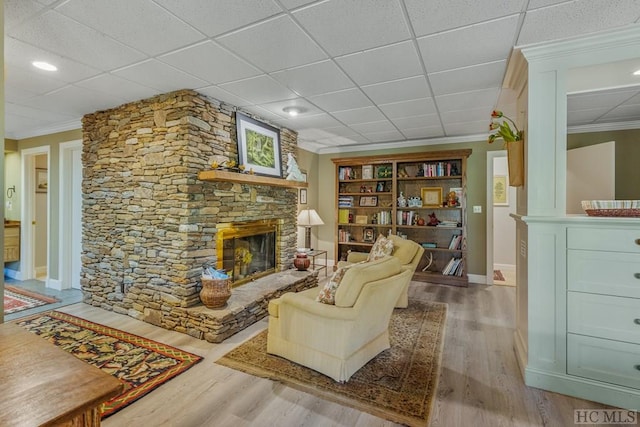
point(54, 284)
point(583, 388)
point(477, 278)
point(520, 348)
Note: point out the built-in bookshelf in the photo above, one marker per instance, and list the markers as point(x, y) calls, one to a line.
point(419, 196)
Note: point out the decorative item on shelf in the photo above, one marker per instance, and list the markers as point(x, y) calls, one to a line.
point(452, 199)
point(433, 220)
point(402, 201)
point(293, 171)
point(308, 218)
point(402, 173)
point(380, 187)
point(431, 196)
point(384, 171)
point(301, 261)
point(414, 202)
point(513, 141)
point(367, 172)
point(420, 221)
point(368, 235)
point(216, 288)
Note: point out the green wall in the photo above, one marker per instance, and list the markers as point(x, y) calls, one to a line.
point(627, 157)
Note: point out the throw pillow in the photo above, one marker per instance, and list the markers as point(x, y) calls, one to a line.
point(381, 248)
point(328, 292)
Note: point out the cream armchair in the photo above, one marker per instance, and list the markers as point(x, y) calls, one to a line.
point(408, 253)
point(339, 339)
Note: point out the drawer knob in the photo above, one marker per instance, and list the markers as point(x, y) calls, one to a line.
point(636, 275)
point(637, 367)
point(637, 241)
point(636, 321)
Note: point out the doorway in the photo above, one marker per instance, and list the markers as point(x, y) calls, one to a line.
point(501, 228)
point(34, 226)
point(70, 241)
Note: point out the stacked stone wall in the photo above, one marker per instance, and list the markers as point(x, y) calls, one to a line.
point(149, 224)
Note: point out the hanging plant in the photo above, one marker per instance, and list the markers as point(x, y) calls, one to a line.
point(500, 124)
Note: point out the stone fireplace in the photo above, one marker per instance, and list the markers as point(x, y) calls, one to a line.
point(249, 250)
point(149, 223)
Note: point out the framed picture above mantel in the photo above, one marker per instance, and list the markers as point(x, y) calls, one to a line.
point(258, 146)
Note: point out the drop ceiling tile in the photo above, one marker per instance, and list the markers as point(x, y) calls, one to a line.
point(559, 21)
point(467, 115)
point(469, 78)
point(314, 79)
point(259, 90)
point(47, 116)
point(534, 4)
point(625, 112)
point(473, 99)
point(16, 94)
point(633, 100)
point(476, 44)
point(224, 96)
point(341, 100)
point(341, 141)
point(210, 63)
point(359, 115)
point(372, 127)
point(17, 11)
point(479, 127)
point(318, 121)
point(382, 64)
point(66, 37)
point(278, 106)
point(610, 98)
point(426, 120)
point(160, 76)
point(31, 79)
point(583, 117)
point(117, 86)
point(217, 17)
point(264, 115)
point(341, 131)
point(425, 132)
point(389, 136)
point(292, 4)
point(19, 54)
point(335, 26)
point(77, 101)
point(274, 45)
point(415, 107)
point(398, 90)
point(15, 124)
point(138, 24)
point(314, 134)
point(430, 17)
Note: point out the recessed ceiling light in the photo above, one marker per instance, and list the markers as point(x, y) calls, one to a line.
point(636, 73)
point(44, 66)
point(293, 111)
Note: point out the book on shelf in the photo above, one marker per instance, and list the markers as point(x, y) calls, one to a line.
point(447, 224)
point(345, 201)
point(455, 242)
point(343, 216)
point(440, 169)
point(453, 268)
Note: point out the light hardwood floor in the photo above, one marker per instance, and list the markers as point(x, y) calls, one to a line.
point(480, 383)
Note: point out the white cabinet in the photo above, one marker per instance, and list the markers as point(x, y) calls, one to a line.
point(603, 305)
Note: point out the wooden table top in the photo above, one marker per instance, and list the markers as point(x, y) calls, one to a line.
point(42, 384)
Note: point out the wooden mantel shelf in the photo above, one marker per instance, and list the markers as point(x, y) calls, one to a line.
point(245, 178)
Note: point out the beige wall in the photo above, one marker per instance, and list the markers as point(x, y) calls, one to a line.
point(627, 157)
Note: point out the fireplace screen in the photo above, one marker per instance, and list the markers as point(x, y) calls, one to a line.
point(248, 250)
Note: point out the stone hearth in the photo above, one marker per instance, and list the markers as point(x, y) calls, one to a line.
point(149, 223)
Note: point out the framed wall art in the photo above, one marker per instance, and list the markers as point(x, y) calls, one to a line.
point(368, 201)
point(42, 180)
point(500, 191)
point(258, 146)
point(303, 196)
point(431, 196)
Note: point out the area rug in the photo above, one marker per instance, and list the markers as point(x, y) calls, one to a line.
point(17, 299)
point(497, 275)
point(139, 363)
point(399, 384)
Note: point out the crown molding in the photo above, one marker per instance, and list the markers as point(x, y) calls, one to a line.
point(604, 127)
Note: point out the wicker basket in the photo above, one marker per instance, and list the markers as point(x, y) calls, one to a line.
point(613, 212)
point(215, 292)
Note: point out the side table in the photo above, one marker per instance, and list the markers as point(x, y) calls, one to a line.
point(315, 253)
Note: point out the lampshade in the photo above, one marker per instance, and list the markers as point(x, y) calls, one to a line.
point(308, 218)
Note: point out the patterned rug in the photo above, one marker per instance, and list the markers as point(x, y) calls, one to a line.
point(17, 299)
point(399, 384)
point(140, 364)
point(497, 275)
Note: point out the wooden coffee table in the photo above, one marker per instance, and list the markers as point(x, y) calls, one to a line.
point(44, 385)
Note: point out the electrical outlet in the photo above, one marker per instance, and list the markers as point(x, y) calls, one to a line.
point(477, 209)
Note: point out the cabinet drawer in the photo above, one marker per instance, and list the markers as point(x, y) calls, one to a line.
point(11, 232)
point(608, 273)
point(604, 316)
point(610, 361)
point(616, 240)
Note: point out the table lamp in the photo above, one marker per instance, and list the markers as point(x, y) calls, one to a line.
point(307, 218)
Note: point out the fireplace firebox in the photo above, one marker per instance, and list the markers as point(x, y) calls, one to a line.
point(248, 250)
